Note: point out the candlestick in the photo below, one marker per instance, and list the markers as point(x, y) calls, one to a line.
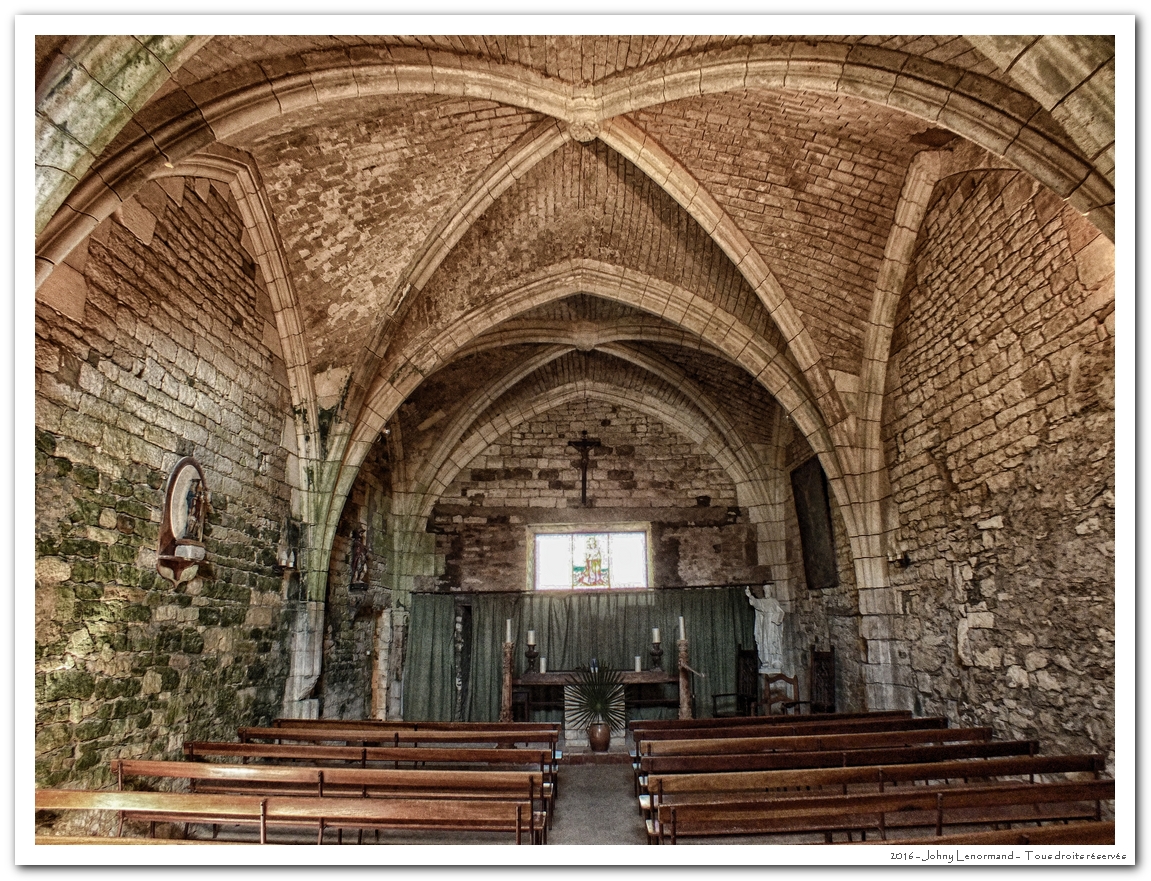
point(656, 656)
point(655, 635)
point(682, 634)
point(531, 654)
point(531, 637)
point(509, 639)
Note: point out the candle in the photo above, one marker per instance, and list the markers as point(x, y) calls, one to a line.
point(531, 637)
point(509, 639)
point(637, 664)
point(655, 634)
point(543, 665)
point(682, 633)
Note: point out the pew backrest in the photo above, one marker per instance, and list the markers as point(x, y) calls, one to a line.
point(813, 742)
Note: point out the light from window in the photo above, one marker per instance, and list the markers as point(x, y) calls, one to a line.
point(590, 560)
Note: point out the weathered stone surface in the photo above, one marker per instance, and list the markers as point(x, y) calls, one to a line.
point(101, 606)
point(1006, 481)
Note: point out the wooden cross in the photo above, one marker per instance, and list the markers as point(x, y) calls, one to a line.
point(584, 445)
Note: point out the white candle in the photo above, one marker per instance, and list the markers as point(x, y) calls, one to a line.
point(637, 664)
point(543, 665)
point(509, 639)
point(531, 637)
point(655, 634)
point(682, 633)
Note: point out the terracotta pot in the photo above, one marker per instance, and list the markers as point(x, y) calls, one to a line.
point(599, 736)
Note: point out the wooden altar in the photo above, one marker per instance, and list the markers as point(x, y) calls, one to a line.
point(545, 691)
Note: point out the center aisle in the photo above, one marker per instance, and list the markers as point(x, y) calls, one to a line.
point(597, 805)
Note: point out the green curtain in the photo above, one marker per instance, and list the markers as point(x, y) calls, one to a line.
point(429, 680)
point(571, 629)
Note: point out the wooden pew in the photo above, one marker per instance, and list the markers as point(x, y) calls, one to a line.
point(110, 839)
point(740, 785)
point(156, 807)
point(811, 742)
point(719, 721)
point(401, 725)
point(815, 726)
point(344, 782)
point(1081, 832)
point(543, 760)
point(802, 743)
point(766, 761)
point(907, 807)
point(407, 814)
point(362, 736)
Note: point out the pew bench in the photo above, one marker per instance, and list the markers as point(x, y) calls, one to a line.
point(806, 743)
point(545, 761)
point(1079, 832)
point(789, 726)
point(742, 785)
point(912, 807)
point(399, 814)
point(387, 736)
point(354, 782)
point(766, 761)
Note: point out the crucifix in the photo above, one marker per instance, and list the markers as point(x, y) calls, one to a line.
point(584, 445)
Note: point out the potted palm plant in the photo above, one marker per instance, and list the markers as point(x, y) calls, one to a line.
point(597, 704)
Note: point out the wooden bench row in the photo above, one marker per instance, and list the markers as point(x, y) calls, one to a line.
point(785, 725)
point(401, 725)
point(1080, 832)
point(740, 785)
point(390, 736)
point(743, 762)
point(340, 782)
point(808, 744)
point(911, 807)
point(512, 816)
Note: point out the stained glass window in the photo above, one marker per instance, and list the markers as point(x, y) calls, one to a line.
point(590, 560)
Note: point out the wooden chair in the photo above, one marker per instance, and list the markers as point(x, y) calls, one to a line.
point(780, 694)
point(822, 697)
point(742, 701)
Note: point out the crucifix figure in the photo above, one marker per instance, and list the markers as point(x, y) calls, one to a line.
point(584, 445)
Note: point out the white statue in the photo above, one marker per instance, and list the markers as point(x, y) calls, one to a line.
point(768, 629)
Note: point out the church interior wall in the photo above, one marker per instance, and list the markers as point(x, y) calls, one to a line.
point(150, 346)
point(644, 471)
point(999, 428)
point(156, 338)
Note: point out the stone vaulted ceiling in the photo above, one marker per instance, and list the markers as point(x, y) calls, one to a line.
point(465, 222)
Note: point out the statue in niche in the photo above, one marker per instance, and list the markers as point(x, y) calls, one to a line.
point(359, 561)
point(768, 628)
point(186, 510)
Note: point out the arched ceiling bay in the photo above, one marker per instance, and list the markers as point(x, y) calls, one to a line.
point(416, 184)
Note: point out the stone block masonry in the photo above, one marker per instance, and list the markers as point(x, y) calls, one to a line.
point(643, 471)
point(160, 353)
point(999, 438)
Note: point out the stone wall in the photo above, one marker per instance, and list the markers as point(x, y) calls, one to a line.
point(999, 432)
point(828, 617)
point(154, 342)
point(644, 471)
point(352, 617)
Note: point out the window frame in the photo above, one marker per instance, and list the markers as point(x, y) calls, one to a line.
point(534, 530)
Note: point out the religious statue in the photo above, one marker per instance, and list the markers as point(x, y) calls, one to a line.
point(359, 563)
point(768, 628)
